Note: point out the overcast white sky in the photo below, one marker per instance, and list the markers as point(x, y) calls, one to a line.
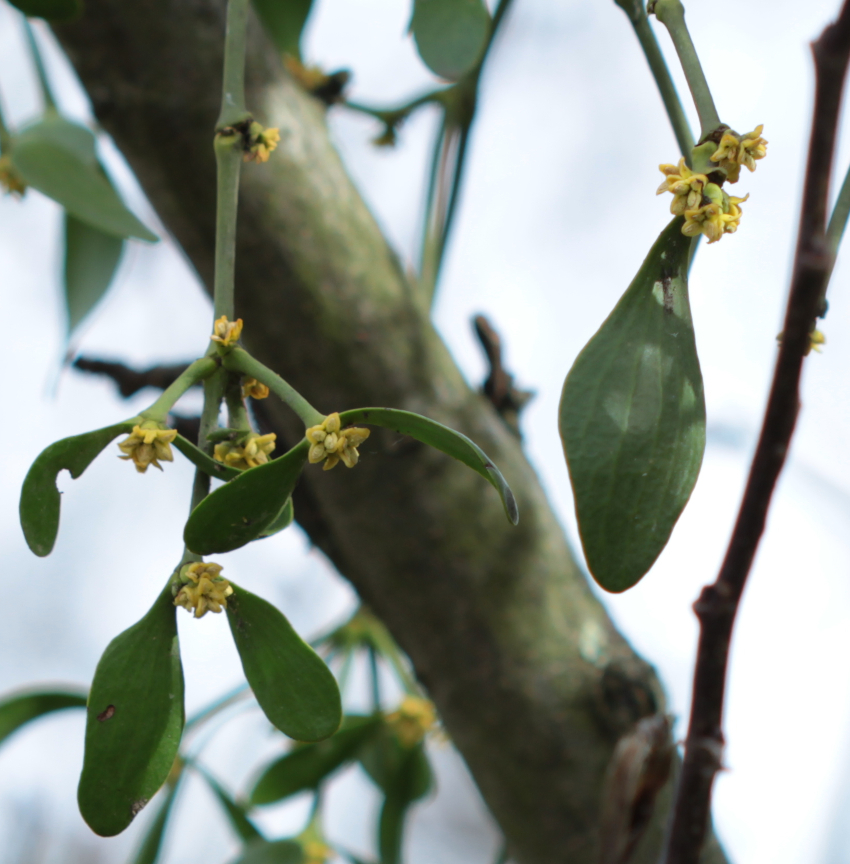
point(557, 214)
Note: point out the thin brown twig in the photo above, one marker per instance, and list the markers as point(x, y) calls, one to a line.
point(718, 603)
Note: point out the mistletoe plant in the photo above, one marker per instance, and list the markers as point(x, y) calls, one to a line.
point(135, 714)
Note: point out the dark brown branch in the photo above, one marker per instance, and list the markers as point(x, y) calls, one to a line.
point(499, 387)
point(718, 603)
point(130, 381)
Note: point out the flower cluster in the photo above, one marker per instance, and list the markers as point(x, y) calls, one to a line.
point(332, 444)
point(227, 332)
point(413, 720)
point(203, 589)
point(148, 444)
point(254, 450)
point(734, 151)
point(261, 143)
point(253, 388)
point(706, 207)
point(10, 181)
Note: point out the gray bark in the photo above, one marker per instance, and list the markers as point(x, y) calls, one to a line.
point(533, 682)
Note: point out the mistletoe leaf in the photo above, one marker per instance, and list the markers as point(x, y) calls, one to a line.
point(91, 259)
point(51, 10)
point(632, 419)
point(450, 35)
point(135, 720)
point(284, 22)
point(272, 852)
point(40, 499)
point(18, 709)
point(308, 766)
point(440, 438)
point(295, 689)
point(55, 157)
point(241, 510)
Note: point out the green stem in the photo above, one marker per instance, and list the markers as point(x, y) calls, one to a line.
point(663, 80)
point(233, 108)
point(46, 92)
point(395, 115)
point(239, 360)
point(228, 155)
point(190, 376)
point(237, 414)
point(671, 13)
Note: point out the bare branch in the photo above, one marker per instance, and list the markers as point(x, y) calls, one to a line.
point(718, 603)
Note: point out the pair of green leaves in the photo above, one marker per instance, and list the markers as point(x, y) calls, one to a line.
point(451, 35)
point(135, 709)
point(58, 158)
point(632, 419)
point(246, 507)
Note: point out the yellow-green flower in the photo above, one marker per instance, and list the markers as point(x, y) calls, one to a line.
point(752, 147)
point(148, 444)
point(204, 590)
point(413, 719)
point(253, 388)
point(687, 187)
point(816, 339)
point(261, 143)
point(718, 215)
point(10, 181)
point(734, 151)
point(227, 332)
point(332, 444)
point(254, 450)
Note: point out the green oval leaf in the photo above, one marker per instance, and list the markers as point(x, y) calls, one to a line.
point(294, 687)
point(55, 157)
point(441, 438)
point(18, 709)
point(632, 419)
point(40, 499)
point(52, 10)
point(203, 461)
point(241, 510)
point(63, 133)
point(284, 21)
point(450, 35)
point(275, 852)
point(283, 520)
point(403, 788)
point(135, 720)
point(91, 259)
point(307, 767)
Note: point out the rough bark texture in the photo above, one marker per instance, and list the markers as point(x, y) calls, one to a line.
point(532, 680)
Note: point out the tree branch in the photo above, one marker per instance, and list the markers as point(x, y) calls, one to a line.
point(718, 603)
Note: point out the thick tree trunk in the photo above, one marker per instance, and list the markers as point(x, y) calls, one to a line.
point(533, 682)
